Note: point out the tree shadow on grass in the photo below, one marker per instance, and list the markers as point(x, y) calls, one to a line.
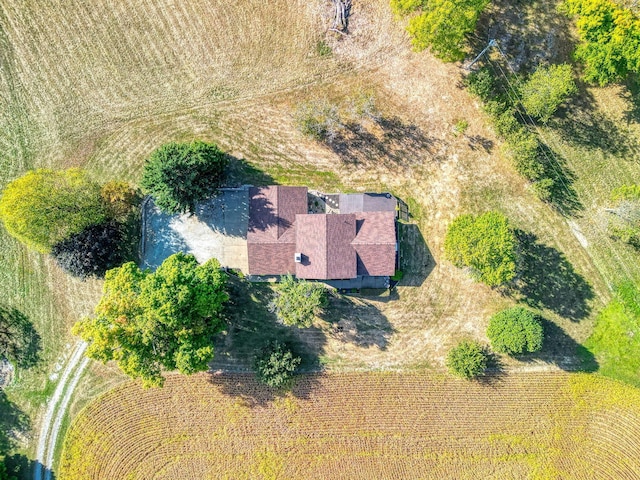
point(23, 468)
point(563, 195)
point(240, 172)
point(582, 124)
point(20, 343)
point(416, 260)
point(13, 424)
point(357, 321)
point(385, 140)
point(548, 280)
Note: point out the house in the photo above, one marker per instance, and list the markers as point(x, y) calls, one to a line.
point(321, 237)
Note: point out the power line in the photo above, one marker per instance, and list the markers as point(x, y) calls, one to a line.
point(549, 154)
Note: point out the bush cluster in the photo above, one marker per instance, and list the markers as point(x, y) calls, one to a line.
point(527, 153)
point(298, 302)
point(485, 243)
point(515, 330)
point(468, 359)
point(275, 364)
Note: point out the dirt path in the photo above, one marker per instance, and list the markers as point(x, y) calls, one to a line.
point(56, 409)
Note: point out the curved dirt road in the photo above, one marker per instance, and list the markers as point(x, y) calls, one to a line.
point(56, 409)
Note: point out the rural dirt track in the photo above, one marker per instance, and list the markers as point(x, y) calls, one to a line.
point(345, 426)
point(56, 409)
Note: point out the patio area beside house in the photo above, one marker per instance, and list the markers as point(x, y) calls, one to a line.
point(218, 229)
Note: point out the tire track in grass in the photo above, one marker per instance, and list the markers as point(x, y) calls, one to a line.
point(56, 408)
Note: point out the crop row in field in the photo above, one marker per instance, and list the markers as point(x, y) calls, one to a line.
point(536, 425)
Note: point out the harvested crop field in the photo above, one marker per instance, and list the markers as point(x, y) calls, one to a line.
point(535, 425)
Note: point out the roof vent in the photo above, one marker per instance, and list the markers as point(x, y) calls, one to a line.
point(298, 257)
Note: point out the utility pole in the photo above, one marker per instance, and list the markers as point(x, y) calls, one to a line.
point(492, 43)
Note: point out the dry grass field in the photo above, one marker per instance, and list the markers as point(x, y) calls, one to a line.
point(101, 84)
point(525, 426)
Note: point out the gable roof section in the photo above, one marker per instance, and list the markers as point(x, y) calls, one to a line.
point(271, 234)
point(375, 243)
point(325, 244)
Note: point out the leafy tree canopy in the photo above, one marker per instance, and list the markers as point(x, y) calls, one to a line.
point(547, 89)
point(485, 243)
point(515, 330)
point(4, 473)
point(624, 223)
point(468, 359)
point(91, 252)
point(298, 302)
point(19, 341)
point(609, 39)
point(44, 207)
point(441, 25)
point(149, 321)
point(178, 175)
point(275, 364)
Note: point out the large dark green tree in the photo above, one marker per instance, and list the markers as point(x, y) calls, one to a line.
point(515, 330)
point(19, 341)
point(148, 322)
point(486, 244)
point(298, 302)
point(178, 175)
point(44, 207)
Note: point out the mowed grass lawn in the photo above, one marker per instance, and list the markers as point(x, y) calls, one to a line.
point(374, 425)
point(101, 84)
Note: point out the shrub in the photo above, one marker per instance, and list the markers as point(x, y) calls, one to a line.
point(485, 243)
point(119, 199)
point(481, 83)
point(178, 175)
point(547, 89)
point(298, 302)
point(44, 207)
point(319, 120)
point(91, 252)
point(275, 365)
point(402, 7)
point(468, 359)
point(515, 330)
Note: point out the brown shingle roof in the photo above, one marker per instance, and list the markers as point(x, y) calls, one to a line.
point(325, 244)
point(271, 234)
point(375, 243)
point(334, 246)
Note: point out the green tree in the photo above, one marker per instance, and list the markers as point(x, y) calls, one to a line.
point(609, 39)
point(19, 341)
point(547, 89)
point(486, 244)
point(44, 207)
point(515, 330)
point(624, 222)
point(4, 473)
point(275, 364)
point(149, 321)
point(298, 302)
point(468, 359)
point(442, 25)
point(178, 175)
